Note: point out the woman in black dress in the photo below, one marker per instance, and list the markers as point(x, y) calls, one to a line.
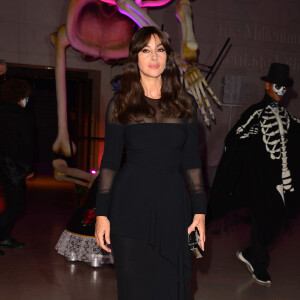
point(143, 208)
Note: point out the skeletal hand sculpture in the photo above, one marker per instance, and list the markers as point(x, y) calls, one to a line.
point(196, 84)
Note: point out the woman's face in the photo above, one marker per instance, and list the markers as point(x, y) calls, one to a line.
point(152, 59)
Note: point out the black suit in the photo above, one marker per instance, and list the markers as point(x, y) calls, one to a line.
point(16, 146)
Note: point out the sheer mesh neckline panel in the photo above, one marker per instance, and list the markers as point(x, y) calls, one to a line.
point(151, 99)
point(157, 118)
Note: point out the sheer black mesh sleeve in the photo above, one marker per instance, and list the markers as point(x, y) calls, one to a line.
point(111, 161)
point(191, 165)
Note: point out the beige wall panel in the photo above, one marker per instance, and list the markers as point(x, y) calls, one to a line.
point(9, 10)
point(45, 12)
point(9, 37)
point(39, 41)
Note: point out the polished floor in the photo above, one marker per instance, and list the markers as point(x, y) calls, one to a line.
point(38, 272)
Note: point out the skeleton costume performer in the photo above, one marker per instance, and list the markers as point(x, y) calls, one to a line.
point(258, 168)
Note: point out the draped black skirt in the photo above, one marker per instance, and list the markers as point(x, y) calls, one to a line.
point(142, 273)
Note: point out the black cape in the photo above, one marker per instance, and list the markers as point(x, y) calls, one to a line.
point(247, 176)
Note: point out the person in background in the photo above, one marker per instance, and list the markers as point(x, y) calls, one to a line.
point(259, 169)
point(16, 154)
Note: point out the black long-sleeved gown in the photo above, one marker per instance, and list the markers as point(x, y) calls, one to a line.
point(147, 198)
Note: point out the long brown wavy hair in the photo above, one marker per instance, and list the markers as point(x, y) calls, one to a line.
point(130, 104)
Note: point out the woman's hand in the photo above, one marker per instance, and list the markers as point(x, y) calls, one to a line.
point(199, 222)
point(102, 232)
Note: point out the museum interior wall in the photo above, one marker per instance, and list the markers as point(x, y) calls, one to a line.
point(260, 32)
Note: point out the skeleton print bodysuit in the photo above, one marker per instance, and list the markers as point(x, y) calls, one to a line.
point(273, 122)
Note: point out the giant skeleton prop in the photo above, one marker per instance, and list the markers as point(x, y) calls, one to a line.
point(99, 30)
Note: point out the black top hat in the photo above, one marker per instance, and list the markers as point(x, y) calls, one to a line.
point(279, 74)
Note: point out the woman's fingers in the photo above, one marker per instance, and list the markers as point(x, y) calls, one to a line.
point(102, 233)
point(103, 246)
point(201, 230)
point(192, 227)
point(199, 222)
point(101, 238)
point(98, 237)
point(107, 236)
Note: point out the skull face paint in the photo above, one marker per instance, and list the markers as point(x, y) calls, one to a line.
point(272, 91)
point(279, 90)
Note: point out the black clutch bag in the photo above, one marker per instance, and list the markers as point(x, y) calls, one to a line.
point(194, 243)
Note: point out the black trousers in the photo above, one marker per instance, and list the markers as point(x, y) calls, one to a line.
point(14, 203)
point(258, 250)
point(142, 274)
